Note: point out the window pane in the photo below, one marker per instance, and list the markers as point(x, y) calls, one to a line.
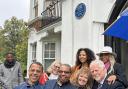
point(46, 54)
point(34, 51)
point(52, 46)
point(36, 11)
point(48, 63)
point(52, 54)
point(46, 46)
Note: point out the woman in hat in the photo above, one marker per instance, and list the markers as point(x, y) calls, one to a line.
point(115, 69)
point(84, 57)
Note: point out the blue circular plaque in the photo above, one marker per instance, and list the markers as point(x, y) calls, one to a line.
point(80, 10)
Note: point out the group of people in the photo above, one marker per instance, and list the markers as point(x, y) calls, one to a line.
point(87, 73)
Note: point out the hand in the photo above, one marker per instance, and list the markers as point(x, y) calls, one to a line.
point(111, 79)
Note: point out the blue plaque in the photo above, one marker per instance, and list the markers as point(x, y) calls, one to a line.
point(80, 10)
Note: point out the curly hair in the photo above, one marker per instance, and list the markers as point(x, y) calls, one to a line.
point(90, 56)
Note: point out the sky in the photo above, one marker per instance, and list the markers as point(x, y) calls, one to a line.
point(17, 8)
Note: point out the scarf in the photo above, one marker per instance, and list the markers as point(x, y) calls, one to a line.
point(8, 64)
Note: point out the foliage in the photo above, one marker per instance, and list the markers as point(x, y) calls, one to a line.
point(13, 37)
point(21, 49)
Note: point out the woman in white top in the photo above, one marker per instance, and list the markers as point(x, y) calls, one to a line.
point(54, 69)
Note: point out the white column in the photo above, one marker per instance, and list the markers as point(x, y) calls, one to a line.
point(39, 51)
point(67, 30)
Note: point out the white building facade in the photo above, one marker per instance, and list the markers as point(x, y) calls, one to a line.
point(59, 32)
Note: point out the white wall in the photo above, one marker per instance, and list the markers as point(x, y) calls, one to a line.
point(102, 10)
point(39, 38)
point(40, 9)
point(82, 27)
point(84, 32)
point(76, 33)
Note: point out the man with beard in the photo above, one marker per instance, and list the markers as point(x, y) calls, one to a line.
point(35, 71)
point(10, 72)
point(99, 74)
point(63, 80)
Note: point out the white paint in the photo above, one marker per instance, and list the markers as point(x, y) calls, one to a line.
point(71, 33)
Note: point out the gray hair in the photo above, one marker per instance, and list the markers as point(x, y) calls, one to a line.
point(97, 62)
point(37, 63)
point(67, 65)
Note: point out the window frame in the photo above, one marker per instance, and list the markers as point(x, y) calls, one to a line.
point(49, 43)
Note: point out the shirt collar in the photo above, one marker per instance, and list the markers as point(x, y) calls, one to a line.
point(29, 85)
point(102, 81)
point(61, 84)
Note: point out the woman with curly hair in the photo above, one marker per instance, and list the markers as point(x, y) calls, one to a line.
point(84, 57)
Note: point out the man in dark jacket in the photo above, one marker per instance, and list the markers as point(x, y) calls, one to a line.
point(99, 74)
point(63, 80)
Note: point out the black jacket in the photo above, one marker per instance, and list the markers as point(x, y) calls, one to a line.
point(120, 74)
point(116, 85)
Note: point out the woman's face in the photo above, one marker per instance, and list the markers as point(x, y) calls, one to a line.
point(105, 57)
point(82, 79)
point(56, 68)
point(83, 56)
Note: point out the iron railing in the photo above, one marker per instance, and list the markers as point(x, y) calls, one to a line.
point(52, 13)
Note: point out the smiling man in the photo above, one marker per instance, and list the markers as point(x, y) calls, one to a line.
point(34, 72)
point(63, 80)
point(99, 74)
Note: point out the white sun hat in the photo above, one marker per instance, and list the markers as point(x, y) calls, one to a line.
point(106, 49)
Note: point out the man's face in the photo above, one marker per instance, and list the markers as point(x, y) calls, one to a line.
point(97, 72)
point(9, 57)
point(35, 72)
point(64, 74)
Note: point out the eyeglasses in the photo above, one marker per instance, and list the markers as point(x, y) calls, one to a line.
point(56, 66)
point(66, 72)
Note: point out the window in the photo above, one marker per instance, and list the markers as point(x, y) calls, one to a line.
point(49, 54)
point(36, 7)
point(34, 52)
